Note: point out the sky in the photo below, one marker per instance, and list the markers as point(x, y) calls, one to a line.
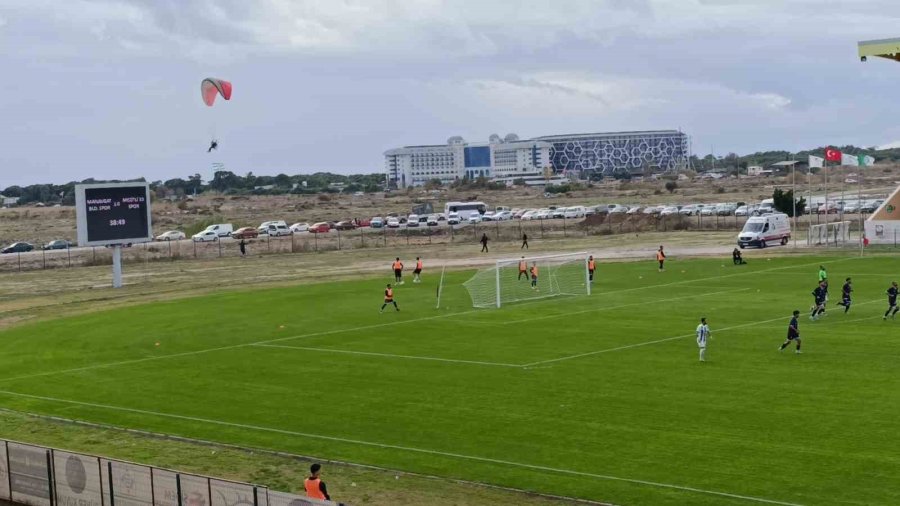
point(109, 89)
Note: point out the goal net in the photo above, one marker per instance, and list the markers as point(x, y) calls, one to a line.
point(505, 283)
point(829, 234)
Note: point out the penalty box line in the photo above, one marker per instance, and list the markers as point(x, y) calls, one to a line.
point(673, 338)
point(478, 362)
point(365, 327)
point(408, 449)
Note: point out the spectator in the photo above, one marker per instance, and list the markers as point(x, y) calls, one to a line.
point(484, 241)
point(314, 485)
point(737, 258)
point(243, 246)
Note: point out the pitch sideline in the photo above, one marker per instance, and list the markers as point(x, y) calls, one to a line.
point(425, 451)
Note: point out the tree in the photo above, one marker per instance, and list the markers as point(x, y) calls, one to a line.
point(433, 184)
point(671, 186)
point(784, 202)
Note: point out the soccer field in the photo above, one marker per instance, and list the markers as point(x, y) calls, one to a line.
point(599, 397)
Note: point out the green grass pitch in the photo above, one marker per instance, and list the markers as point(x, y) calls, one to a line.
point(598, 397)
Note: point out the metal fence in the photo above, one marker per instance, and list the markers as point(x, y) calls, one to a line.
point(364, 238)
point(39, 476)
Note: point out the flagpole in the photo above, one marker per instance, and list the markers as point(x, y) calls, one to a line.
point(825, 171)
point(862, 229)
point(794, 199)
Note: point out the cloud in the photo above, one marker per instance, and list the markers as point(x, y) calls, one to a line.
point(443, 28)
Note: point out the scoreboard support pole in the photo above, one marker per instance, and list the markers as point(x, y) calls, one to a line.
point(117, 266)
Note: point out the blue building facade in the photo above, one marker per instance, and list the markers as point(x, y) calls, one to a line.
point(614, 153)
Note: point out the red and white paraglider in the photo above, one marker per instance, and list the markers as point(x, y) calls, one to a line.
point(210, 88)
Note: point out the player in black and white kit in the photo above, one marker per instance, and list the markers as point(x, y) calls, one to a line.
point(892, 301)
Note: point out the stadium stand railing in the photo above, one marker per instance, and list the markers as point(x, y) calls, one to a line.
point(41, 476)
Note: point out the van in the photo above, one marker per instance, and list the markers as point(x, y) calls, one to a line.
point(764, 230)
point(275, 230)
point(574, 212)
point(221, 229)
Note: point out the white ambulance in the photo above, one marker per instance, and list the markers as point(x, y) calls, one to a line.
point(765, 230)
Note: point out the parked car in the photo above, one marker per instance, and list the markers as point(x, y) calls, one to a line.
point(688, 210)
point(633, 210)
point(542, 214)
point(63, 244)
point(503, 216)
point(431, 220)
point(345, 225)
point(17, 247)
point(171, 235)
point(221, 229)
point(206, 236)
point(453, 219)
point(573, 212)
point(376, 222)
point(423, 218)
point(487, 216)
point(319, 228)
point(669, 211)
point(299, 227)
point(474, 218)
point(832, 208)
point(617, 209)
point(393, 222)
point(742, 211)
point(275, 229)
point(412, 220)
point(245, 233)
point(558, 213)
point(869, 207)
point(851, 208)
point(726, 209)
point(528, 215)
point(708, 211)
point(651, 210)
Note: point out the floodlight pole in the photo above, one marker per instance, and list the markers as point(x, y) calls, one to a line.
point(794, 201)
point(117, 265)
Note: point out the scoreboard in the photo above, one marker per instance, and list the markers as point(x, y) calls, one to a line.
point(113, 213)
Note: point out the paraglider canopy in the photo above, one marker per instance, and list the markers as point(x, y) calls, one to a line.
point(210, 87)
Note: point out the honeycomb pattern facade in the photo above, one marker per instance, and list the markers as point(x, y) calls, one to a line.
point(611, 153)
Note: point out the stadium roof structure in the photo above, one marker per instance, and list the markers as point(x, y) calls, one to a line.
point(885, 48)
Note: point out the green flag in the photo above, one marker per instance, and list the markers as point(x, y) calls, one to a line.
point(866, 160)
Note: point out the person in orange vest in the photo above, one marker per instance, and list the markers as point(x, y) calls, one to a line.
point(418, 271)
point(591, 266)
point(389, 298)
point(315, 487)
point(398, 271)
point(534, 275)
point(661, 258)
point(523, 269)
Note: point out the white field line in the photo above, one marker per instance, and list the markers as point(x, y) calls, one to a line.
point(388, 355)
point(365, 327)
point(476, 362)
point(232, 347)
point(666, 339)
point(425, 451)
point(620, 306)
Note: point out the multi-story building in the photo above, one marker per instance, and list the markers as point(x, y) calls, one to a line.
point(510, 158)
point(498, 158)
point(616, 152)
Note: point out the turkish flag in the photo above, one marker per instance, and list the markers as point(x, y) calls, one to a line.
point(832, 155)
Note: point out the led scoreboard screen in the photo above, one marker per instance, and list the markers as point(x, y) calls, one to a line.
point(113, 213)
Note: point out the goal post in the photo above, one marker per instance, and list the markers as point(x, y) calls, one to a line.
point(835, 233)
point(504, 282)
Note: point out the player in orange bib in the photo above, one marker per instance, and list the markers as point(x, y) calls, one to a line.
point(661, 258)
point(389, 298)
point(534, 275)
point(523, 269)
point(591, 266)
point(418, 271)
point(398, 271)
